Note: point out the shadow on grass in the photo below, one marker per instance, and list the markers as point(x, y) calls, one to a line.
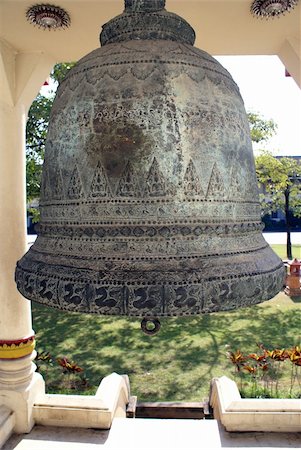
point(176, 364)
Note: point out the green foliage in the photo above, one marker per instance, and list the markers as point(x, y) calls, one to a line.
point(279, 177)
point(261, 129)
point(60, 71)
point(36, 132)
point(260, 374)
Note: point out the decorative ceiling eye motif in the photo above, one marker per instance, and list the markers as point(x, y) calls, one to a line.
point(48, 17)
point(272, 8)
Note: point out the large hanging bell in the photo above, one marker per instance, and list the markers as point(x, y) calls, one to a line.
point(149, 203)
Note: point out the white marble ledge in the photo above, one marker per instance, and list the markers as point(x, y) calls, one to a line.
point(82, 411)
point(238, 414)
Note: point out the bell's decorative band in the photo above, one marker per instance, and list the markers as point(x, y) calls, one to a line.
point(17, 348)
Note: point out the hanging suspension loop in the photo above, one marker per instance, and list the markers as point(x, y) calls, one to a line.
point(150, 325)
point(144, 5)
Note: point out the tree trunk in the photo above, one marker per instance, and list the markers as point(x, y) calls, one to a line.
point(287, 221)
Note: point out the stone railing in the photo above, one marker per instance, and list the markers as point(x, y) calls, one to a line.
point(246, 414)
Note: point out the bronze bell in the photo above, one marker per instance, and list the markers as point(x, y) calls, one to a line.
point(149, 203)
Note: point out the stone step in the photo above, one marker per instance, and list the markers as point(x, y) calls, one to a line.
point(168, 410)
point(167, 434)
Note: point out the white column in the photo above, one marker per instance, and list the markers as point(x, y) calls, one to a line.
point(290, 56)
point(18, 382)
point(20, 79)
point(15, 322)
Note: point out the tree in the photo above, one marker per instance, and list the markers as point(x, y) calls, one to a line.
point(261, 129)
point(281, 180)
point(60, 71)
point(36, 132)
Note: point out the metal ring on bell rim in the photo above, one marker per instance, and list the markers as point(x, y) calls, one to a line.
point(155, 325)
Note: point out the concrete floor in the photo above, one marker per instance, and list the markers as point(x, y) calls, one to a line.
point(151, 434)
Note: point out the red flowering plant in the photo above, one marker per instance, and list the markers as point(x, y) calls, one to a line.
point(68, 366)
point(74, 378)
point(237, 358)
point(264, 370)
point(72, 370)
point(239, 361)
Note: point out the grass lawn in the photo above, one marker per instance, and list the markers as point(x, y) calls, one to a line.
point(177, 363)
point(280, 249)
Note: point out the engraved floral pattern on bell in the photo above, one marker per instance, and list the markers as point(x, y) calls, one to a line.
point(149, 202)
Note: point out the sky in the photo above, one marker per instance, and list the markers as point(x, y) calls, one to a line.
point(266, 90)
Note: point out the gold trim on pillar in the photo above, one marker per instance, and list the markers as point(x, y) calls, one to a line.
point(17, 349)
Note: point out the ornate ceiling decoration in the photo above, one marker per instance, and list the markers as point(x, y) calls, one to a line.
point(272, 8)
point(48, 17)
